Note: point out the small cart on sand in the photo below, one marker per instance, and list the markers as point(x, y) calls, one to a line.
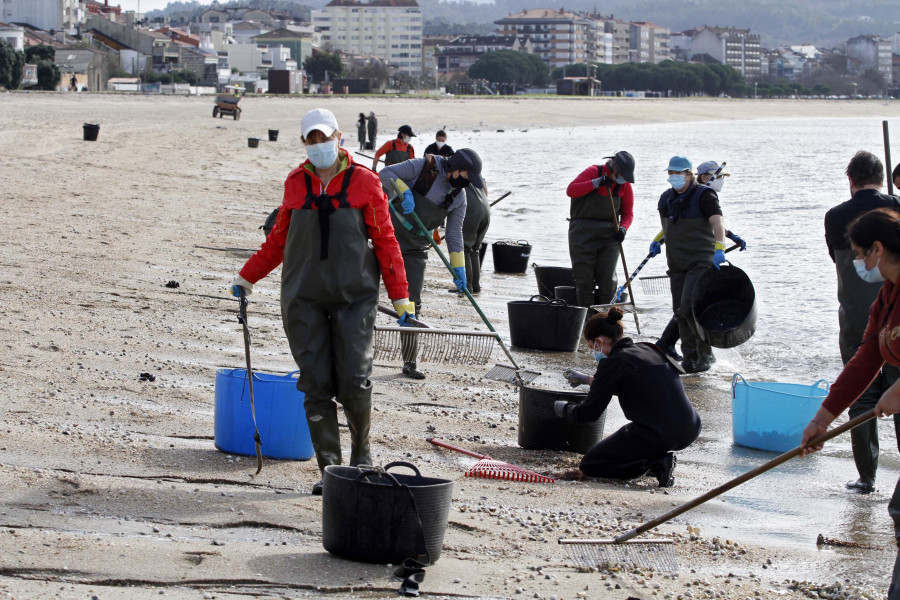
point(228, 103)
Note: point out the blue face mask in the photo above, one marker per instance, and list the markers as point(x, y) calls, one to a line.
point(598, 355)
point(620, 180)
point(676, 181)
point(323, 155)
point(872, 275)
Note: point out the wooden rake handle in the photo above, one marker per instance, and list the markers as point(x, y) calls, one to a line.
point(393, 313)
point(450, 446)
point(866, 416)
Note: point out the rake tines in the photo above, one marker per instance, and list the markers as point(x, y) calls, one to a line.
point(655, 285)
point(444, 346)
point(657, 554)
point(489, 468)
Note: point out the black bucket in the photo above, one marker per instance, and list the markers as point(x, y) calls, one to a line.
point(370, 145)
point(724, 307)
point(91, 132)
point(545, 324)
point(550, 277)
point(273, 135)
point(541, 429)
point(376, 517)
point(566, 293)
point(253, 142)
point(511, 256)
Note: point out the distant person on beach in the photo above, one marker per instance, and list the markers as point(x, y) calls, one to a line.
point(361, 131)
point(372, 126)
point(865, 174)
point(652, 398)
point(708, 173)
point(433, 187)
point(875, 240)
point(693, 231)
point(600, 213)
point(73, 84)
point(398, 149)
point(329, 284)
point(439, 145)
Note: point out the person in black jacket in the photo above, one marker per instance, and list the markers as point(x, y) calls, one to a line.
point(651, 396)
point(439, 145)
point(866, 175)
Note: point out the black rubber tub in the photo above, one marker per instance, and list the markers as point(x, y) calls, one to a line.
point(90, 132)
point(544, 324)
point(273, 135)
point(550, 277)
point(385, 517)
point(541, 429)
point(511, 256)
point(724, 306)
point(566, 293)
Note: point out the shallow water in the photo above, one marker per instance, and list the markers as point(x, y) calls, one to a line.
point(785, 174)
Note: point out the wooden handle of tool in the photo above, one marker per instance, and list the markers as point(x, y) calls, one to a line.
point(449, 446)
point(747, 476)
point(887, 155)
point(499, 199)
point(388, 311)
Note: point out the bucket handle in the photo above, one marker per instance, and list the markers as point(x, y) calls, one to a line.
point(819, 383)
point(400, 463)
point(734, 384)
point(523, 242)
point(364, 474)
point(292, 373)
point(558, 302)
point(546, 299)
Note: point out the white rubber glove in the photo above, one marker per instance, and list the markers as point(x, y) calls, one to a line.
point(240, 282)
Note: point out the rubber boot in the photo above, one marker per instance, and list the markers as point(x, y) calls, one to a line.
point(358, 422)
point(323, 429)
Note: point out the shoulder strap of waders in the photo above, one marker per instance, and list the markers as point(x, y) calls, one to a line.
point(325, 209)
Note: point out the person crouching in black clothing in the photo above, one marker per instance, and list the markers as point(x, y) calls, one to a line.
point(651, 396)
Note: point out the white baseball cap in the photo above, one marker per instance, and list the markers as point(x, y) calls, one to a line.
point(318, 118)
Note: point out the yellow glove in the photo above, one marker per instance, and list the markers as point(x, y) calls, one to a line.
point(720, 246)
point(660, 236)
point(406, 310)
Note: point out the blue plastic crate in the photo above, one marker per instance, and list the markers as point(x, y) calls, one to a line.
point(770, 415)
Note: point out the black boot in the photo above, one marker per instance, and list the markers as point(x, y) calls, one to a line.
point(358, 422)
point(668, 349)
point(410, 370)
point(323, 429)
point(664, 470)
point(861, 486)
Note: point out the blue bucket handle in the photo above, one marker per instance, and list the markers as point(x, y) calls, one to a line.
point(734, 384)
point(819, 383)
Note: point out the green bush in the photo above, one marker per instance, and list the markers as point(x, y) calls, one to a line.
point(11, 63)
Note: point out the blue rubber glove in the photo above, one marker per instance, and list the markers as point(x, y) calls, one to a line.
point(460, 280)
point(409, 203)
point(240, 287)
point(406, 310)
point(655, 248)
point(737, 240)
point(237, 290)
point(718, 258)
point(619, 293)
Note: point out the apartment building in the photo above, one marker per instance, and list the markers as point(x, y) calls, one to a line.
point(50, 15)
point(647, 42)
point(560, 38)
point(388, 29)
point(455, 57)
point(867, 52)
point(730, 46)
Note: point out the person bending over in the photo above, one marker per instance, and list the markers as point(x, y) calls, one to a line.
point(652, 398)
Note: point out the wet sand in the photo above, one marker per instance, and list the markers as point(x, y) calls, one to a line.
point(110, 481)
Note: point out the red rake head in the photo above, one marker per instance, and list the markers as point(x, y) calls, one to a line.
point(489, 468)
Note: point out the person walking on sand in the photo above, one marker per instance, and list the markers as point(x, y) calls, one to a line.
point(875, 240)
point(332, 211)
point(693, 231)
point(398, 149)
point(600, 214)
point(433, 187)
point(361, 131)
point(865, 174)
point(652, 398)
point(708, 173)
point(439, 145)
point(372, 126)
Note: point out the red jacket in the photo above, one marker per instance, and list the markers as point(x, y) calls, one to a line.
point(395, 144)
point(582, 185)
point(364, 193)
point(881, 343)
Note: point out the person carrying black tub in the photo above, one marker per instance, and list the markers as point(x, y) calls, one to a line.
point(865, 173)
point(652, 398)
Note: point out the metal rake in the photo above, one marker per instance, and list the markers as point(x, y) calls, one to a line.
point(489, 468)
point(655, 285)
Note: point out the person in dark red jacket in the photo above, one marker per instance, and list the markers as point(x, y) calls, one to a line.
point(875, 238)
point(599, 216)
point(329, 283)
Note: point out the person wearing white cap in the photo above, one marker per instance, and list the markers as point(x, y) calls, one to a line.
point(331, 211)
point(693, 231)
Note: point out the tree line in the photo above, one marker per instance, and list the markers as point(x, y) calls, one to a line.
point(12, 62)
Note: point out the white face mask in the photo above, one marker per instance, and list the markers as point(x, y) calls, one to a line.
point(716, 184)
point(872, 275)
point(440, 144)
point(323, 155)
point(405, 139)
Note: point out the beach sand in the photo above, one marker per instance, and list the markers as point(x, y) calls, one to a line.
point(112, 487)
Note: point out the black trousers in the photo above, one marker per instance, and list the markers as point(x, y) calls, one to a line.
point(626, 454)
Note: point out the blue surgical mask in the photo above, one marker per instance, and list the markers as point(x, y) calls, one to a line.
point(620, 180)
point(323, 155)
point(676, 181)
point(872, 275)
point(598, 355)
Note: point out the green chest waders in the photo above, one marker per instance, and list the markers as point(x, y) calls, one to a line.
point(593, 250)
point(394, 156)
point(329, 294)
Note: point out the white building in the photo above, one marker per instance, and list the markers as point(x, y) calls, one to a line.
point(258, 58)
point(736, 48)
point(56, 15)
point(871, 52)
point(13, 35)
point(388, 29)
point(560, 38)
